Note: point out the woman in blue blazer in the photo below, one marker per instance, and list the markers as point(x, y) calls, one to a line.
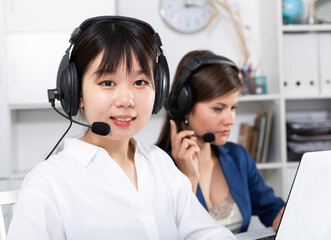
point(203, 99)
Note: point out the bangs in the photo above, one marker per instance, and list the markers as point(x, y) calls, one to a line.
point(120, 42)
point(123, 48)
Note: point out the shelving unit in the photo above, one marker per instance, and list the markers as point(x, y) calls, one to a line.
point(279, 171)
point(309, 102)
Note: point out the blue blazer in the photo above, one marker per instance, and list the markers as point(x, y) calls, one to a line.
point(246, 185)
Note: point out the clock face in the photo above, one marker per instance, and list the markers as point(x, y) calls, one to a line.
point(186, 16)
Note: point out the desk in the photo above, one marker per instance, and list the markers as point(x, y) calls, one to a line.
point(251, 235)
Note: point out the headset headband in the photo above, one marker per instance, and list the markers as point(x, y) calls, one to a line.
point(192, 66)
point(68, 82)
point(195, 64)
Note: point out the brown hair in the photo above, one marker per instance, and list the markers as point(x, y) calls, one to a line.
point(209, 82)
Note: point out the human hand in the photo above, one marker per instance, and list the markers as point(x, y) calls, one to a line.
point(275, 223)
point(185, 152)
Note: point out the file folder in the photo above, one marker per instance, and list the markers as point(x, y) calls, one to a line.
point(325, 63)
point(301, 64)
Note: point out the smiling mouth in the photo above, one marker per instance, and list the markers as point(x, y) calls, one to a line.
point(123, 119)
point(123, 122)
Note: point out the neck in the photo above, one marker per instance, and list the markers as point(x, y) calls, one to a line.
point(121, 151)
point(205, 152)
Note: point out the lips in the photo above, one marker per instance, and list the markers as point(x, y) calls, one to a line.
point(224, 133)
point(123, 121)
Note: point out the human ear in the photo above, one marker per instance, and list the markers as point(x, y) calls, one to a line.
point(81, 102)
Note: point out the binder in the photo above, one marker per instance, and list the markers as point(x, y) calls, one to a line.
point(261, 139)
point(265, 150)
point(325, 63)
point(301, 58)
point(243, 134)
point(255, 136)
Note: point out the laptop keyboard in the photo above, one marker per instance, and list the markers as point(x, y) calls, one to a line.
point(272, 237)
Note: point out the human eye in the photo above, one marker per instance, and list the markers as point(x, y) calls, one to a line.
point(218, 109)
point(107, 83)
point(234, 108)
point(141, 83)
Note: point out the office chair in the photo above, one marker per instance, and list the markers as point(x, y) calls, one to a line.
point(6, 198)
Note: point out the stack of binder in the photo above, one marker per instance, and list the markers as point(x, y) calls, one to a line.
point(307, 136)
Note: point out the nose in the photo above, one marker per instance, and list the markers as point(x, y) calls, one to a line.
point(229, 117)
point(124, 97)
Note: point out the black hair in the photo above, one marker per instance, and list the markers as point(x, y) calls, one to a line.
point(120, 40)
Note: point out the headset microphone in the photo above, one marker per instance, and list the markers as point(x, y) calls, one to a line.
point(100, 128)
point(207, 137)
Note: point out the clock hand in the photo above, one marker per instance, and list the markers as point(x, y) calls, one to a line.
point(189, 4)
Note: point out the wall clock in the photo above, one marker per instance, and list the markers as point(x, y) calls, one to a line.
point(187, 16)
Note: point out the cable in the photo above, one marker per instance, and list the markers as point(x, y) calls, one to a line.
point(53, 105)
point(59, 141)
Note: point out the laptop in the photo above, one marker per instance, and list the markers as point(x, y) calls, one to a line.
point(307, 213)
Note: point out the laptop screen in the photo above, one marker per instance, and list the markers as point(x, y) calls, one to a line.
point(308, 209)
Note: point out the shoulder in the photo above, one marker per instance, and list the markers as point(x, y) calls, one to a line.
point(231, 146)
point(235, 153)
point(154, 154)
point(159, 161)
point(46, 173)
point(151, 150)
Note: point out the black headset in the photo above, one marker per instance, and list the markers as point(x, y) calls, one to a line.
point(180, 100)
point(68, 82)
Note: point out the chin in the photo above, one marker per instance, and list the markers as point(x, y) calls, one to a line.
point(120, 135)
point(220, 141)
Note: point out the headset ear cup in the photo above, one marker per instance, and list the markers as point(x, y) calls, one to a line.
point(161, 88)
point(65, 87)
point(70, 90)
point(75, 89)
point(184, 102)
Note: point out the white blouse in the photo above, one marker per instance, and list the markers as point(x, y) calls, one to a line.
point(81, 193)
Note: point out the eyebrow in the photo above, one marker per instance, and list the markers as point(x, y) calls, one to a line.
point(224, 105)
point(220, 103)
point(99, 73)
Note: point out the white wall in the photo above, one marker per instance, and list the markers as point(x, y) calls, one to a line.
point(220, 37)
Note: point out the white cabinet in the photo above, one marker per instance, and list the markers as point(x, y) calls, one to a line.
point(32, 61)
point(35, 33)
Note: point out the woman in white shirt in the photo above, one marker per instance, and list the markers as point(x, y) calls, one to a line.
point(106, 185)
